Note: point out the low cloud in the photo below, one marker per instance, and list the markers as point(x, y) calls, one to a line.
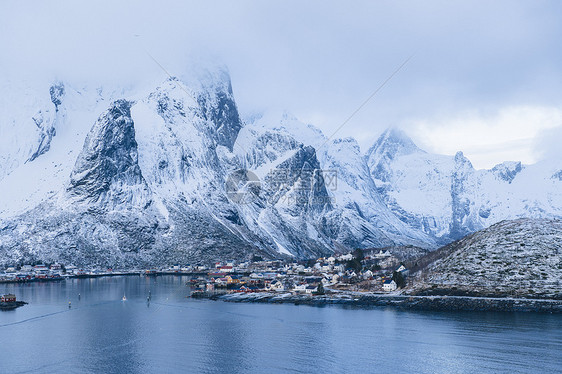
point(320, 60)
point(548, 144)
point(487, 139)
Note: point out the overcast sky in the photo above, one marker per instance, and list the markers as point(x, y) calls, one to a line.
point(485, 77)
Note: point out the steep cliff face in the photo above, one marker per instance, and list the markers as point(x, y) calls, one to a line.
point(414, 184)
point(220, 109)
point(363, 219)
point(46, 121)
point(107, 173)
point(460, 198)
point(103, 216)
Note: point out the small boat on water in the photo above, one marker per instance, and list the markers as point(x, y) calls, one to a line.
point(124, 298)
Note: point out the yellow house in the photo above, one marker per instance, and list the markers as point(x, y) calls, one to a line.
point(232, 280)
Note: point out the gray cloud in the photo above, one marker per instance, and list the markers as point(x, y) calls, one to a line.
point(318, 59)
point(548, 145)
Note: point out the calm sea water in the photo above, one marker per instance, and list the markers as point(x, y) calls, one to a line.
point(102, 334)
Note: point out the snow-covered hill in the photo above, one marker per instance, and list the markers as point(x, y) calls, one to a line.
point(520, 257)
point(445, 197)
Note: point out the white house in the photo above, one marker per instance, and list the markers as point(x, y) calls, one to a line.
point(326, 268)
point(226, 269)
point(311, 289)
point(346, 257)
point(300, 287)
point(339, 268)
point(402, 269)
point(40, 269)
point(382, 254)
point(389, 285)
point(276, 286)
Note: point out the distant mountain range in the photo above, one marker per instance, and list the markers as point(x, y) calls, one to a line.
point(172, 174)
point(446, 198)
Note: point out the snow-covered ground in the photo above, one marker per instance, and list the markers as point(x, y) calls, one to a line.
point(518, 257)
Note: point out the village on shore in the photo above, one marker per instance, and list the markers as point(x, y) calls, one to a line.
point(375, 271)
point(370, 278)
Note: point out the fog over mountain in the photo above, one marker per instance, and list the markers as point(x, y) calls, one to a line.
point(320, 60)
point(146, 176)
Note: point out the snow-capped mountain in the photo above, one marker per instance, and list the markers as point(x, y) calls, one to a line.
point(170, 173)
point(143, 177)
point(355, 216)
point(445, 197)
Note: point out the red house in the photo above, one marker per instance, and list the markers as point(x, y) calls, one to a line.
point(9, 298)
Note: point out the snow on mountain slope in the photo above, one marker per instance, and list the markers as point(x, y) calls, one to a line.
point(24, 131)
point(147, 185)
point(515, 258)
point(169, 173)
point(447, 198)
point(35, 163)
point(128, 197)
point(356, 216)
point(355, 194)
point(292, 197)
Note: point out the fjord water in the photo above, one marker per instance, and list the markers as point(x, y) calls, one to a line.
point(100, 333)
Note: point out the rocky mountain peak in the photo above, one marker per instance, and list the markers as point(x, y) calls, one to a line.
point(57, 93)
point(106, 172)
point(214, 95)
point(507, 170)
point(391, 143)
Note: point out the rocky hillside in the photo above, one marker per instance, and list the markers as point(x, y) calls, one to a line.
point(520, 257)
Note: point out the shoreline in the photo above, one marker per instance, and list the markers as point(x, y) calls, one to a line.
point(11, 305)
point(85, 276)
point(354, 298)
point(402, 302)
